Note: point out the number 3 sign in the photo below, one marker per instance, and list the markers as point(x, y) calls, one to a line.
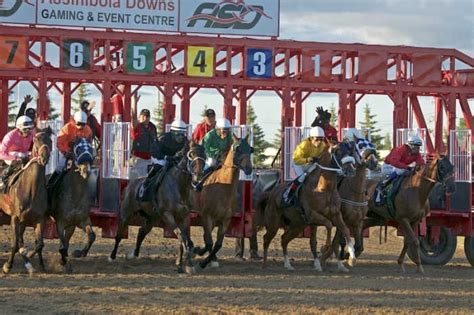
point(76, 54)
point(259, 63)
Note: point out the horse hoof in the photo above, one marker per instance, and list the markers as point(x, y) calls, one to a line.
point(68, 267)
point(190, 270)
point(255, 257)
point(290, 268)
point(214, 264)
point(23, 251)
point(421, 270)
point(317, 265)
point(110, 259)
point(77, 253)
point(341, 267)
point(351, 261)
point(6, 269)
point(180, 269)
point(30, 268)
point(239, 258)
point(131, 256)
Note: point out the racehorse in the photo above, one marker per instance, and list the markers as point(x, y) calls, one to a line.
point(26, 202)
point(354, 205)
point(170, 204)
point(216, 202)
point(412, 204)
point(69, 203)
point(318, 204)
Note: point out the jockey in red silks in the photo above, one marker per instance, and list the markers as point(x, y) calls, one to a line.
point(323, 120)
point(16, 146)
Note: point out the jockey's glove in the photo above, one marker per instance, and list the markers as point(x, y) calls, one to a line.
point(313, 160)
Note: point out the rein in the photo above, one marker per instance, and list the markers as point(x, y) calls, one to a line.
point(354, 203)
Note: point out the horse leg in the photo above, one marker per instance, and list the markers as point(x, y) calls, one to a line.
point(401, 258)
point(212, 257)
point(326, 250)
point(358, 239)
point(340, 225)
point(412, 244)
point(313, 244)
point(207, 227)
point(39, 244)
point(68, 232)
point(14, 244)
point(123, 225)
point(339, 246)
point(286, 238)
point(271, 231)
point(142, 233)
point(87, 228)
point(62, 242)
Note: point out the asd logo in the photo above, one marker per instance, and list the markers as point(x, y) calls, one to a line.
point(9, 7)
point(227, 14)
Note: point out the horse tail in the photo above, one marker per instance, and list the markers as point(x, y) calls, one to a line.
point(260, 207)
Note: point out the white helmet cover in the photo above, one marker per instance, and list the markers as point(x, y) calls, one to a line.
point(24, 122)
point(317, 132)
point(222, 123)
point(178, 126)
point(415, 140)
point(80, 117)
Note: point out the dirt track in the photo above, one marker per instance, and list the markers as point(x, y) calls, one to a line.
point(151, 284)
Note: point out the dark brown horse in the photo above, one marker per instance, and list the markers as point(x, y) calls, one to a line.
point(69, 202)
point(318, 204)
point(412, 204)
point(26, 202)
point(216, 202)
point(354, 200)
point(170, 204)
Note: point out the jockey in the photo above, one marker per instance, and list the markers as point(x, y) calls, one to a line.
point(205, 126)
point(92, 122)
point(306, 153)
point(399, 160)
point(76, 128)
point(216, 143)
point(16, 146)
point(323, 120)
point(169, 146)
point(29, 112)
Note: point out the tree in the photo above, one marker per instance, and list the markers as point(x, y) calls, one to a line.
point(387, 142)
point(157, 116)
point(82, 94)
point(276, 143)
point(461, 124)
point(259, 142)
point(333, 112)
point(370, 123)
point(53, 112)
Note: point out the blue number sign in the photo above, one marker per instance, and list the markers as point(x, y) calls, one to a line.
point(259, 63)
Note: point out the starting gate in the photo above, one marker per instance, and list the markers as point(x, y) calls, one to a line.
point(293, 136)
point(116, 150)
point(56, 126)
point(403, 134)
point(460, 154)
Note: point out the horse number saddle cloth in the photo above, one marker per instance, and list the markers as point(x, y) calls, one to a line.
point(293, 202)
point(387, 197)
point(148, 188)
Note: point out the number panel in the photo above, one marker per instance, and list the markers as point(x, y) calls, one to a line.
point(259, 63)
point(316, 65)
point(200, 61)
point(139, 58)
point(13, 52)
point(76, 54)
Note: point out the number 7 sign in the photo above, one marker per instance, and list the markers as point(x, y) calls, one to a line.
point(13, 52)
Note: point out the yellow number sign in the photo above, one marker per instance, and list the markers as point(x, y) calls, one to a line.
point(12, 52)
point(200, 61)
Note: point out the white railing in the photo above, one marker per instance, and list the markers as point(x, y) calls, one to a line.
point(403, 134)
point(460, 154)
point(293, 136)
point(116, 150)
point(56, 126)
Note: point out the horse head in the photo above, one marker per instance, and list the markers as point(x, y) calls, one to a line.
point(242, 154)
point(195, 160)
point(42, 146)
point(366, 153)
point(342, 157)
point(443, 172)
point(322, 118)
point(83, 156)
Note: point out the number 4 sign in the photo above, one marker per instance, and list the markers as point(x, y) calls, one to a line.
point(200, 61)
point(12, 52)
point(259, 63)
point(139, 57)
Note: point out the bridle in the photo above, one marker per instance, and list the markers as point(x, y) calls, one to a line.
point(439, 178)
point(37, 152)
point(190, 162)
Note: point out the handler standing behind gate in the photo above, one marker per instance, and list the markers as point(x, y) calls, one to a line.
point(144, 136)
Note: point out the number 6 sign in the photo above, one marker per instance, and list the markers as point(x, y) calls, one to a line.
point(12, 52)
point(259, 63)
point(76, 54)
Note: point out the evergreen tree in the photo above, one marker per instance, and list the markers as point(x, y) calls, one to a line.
point(333, 112)
point(259, 142)
point(276, 143)
point(461, 124)
point(157, 116)
point(387, 142)
point(370, 123)
point(53, 112)
point(82, 94)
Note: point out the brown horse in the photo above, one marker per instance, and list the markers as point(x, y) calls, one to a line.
point(354, 205)
point(216, 202)
point(318, 204)
point(412, 204)
point(69, 202)
point(170, 204)
point(26, 202)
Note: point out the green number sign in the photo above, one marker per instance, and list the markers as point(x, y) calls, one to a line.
point(139, 57)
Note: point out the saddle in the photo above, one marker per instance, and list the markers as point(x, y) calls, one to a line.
point(389, 193)
point(148, 188)
point(13, 177)
point(295, 203)
point(198, 187)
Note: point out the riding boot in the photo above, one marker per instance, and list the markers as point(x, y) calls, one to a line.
point(4, 178)
point(290, 192)
point(154, 170)
point(381, 188)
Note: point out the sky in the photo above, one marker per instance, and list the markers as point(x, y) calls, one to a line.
point(423, 23)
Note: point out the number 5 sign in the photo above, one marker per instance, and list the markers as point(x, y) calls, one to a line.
point(12, 52)
point(139, 57)
point(76, 54)
point(200, 61)
point(259, 63)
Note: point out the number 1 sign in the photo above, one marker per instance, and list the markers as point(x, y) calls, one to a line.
point(76, 54)
point(259, 63)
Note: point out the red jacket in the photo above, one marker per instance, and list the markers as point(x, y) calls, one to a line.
point(401, 158)
point(201, 130)
point(330, 132)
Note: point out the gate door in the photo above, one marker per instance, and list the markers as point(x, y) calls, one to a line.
point(116, 150)
point(241, 132)
point(460, 154)
point(293, 136)
point(56, 126)
point(404, 133)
